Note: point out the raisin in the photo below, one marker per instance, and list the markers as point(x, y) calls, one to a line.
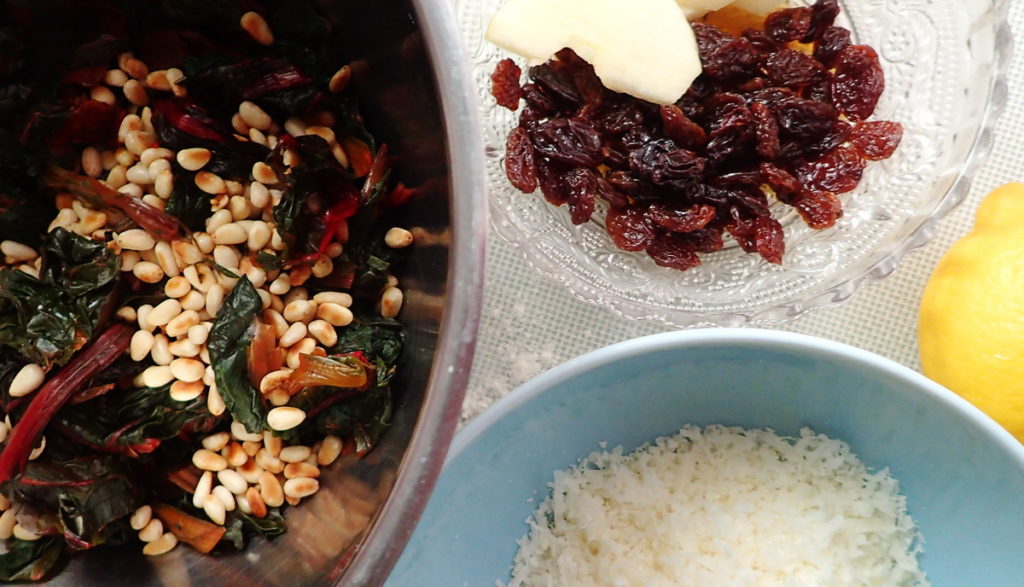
point(739, 179)
point(549, 177)
point(743, 230)
point(555, 84)
point(588, 85)
point(789, 24)
point(520, 164)
point(570, 140)
point(630, 228)
point(762, 43)
point(805, 119)
point(877, 139)
point(766, 132)
point(768, 239)
point(619, 118)
point(673, 250)
point(538, 100)
point(793, 69)
point(706, 240)
point(723, 56)
point(859, 82)
point(830, 44)
point(693, 218)
point(782, 182)
point(837, 172)
point(823, 14)
point(661, 163)
point(819, 210)
point(580, 185)
point(821, 90)
point(678, 127)
point(529, 118)
point(505, 84)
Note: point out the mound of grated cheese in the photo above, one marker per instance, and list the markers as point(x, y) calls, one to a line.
point(722, 506)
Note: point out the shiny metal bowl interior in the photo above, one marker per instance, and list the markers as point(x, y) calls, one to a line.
point(418, 99)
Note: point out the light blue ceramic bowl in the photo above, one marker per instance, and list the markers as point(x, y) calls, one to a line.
point(963, 475)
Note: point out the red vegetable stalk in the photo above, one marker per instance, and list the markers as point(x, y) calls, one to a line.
point(58, 391)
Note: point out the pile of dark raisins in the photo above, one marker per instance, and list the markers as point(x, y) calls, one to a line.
point(764, 118)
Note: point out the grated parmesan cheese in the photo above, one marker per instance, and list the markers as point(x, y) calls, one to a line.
point(722, 506)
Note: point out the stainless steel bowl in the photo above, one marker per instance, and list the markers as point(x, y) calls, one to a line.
point(419, 95)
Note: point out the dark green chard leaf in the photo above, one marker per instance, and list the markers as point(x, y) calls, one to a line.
point(24, 211)
point(242, 527)
point(364, 417)
point(228, 344)
point(189, 204)
point(47, 319)
point(25, 560)
point(378, 338)
point(90, 495)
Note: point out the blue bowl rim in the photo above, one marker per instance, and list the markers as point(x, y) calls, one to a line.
point(972, 416)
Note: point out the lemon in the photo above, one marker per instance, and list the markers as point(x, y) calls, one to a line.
point(971, 327)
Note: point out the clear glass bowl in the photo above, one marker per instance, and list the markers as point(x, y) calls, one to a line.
point(945, 63)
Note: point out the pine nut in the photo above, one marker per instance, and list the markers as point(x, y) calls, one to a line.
point(161, 352)
point(339, 81)
point(272, 443)
point(330, 450)
point(250, 448)
point(233, 481)
point(165, 258)
point(102, 94)
point(209, 378)
point(204, 241)
point(263, 173)
point(28, 379)
point(152, 530)
point(163, 184)
point(254, 116)
point(285, 418)
point(270, 490)
point(226, 256)
point(164, 312)
point(259, 195)
point(157, 376)
point(154, 154)
point(131, 189)
point(250, 471)
point(138, 174)
point(115, 77)
point(303, 347)
point(38, 450)
point(203, 488)
point(194, 301)
point(239, 207)
point(229, 234)
point(274, 318)
point(299, 275)
point(278, 397)
point(22, 533)
point(333, 297)
point(258, 29)
point(183, 391)
point(7, 521)
point(141, 517)
point(280, 286)
point(298, 470)
point(92, 163)
point(214, 402)
point(127, 313)
point(162, 545)
point(130, 123)
point(16, 252)
point(147, 120)
point(267, 462)
point(340, 155)
point(176, 287)
point(135, 239)
point(183, 348)
point(215, 442)
point(239, 432)
point(323, 266)
point(257, 136)
point(334, 314)
point(208, 460)
point(136, 93)
point(299, 293)
point(214, 509)
point(141, 345)
point(235, 454)
point(256, 503)
point(239, 125)
point(398, 238)
point(182, 322)
point(132, 66)
point(258, 236)
point(157, 80)
point(198, 334)
point(187, 370)
point(324, 332)
point(143, 314)
point(214, 299)
point(301, 487)
point(391, 302)
point(295, 333)
point(243, 504)
point(323, 132)
point(125, 158)
point(210, 183)
point(300, 311)
point(294, 454)
point(227, 499)
point(193, 159)
point(185, 253)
